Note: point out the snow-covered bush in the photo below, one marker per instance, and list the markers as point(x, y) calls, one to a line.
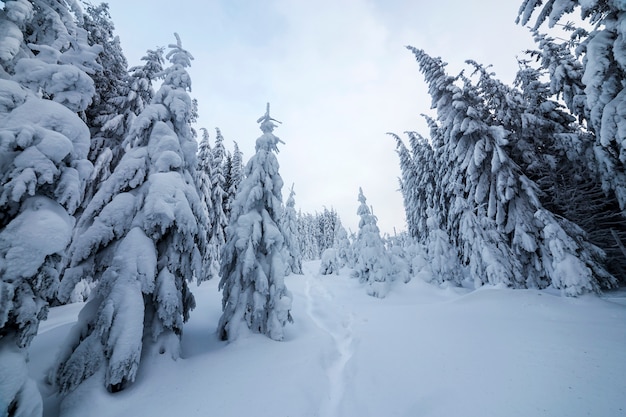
point(330, 262)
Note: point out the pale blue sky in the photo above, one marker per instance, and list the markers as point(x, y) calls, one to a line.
point(336, 73)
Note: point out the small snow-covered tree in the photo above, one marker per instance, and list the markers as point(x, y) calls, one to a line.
point(217, 217)
point(372, 260)
point(442, 256)
point(233, 175)
point(329, 263)
point(203, 183)
point(253, 264)
point(138, 240)
point(289, 225)
point(343, 247)
point(399, 257)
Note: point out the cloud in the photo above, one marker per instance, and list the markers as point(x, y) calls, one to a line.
point(336, 73)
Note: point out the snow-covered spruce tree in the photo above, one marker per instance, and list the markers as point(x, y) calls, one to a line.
point(52, 38)
point(421, 192)
point(316, 233)
point(218, 220)
point(228, 167)
point(307, 235)
point(555, 153)
point(43, 170)
point(399, 257)
point(564, 71)
point(313, 238)
point(603, 53)
point(442, 257)
point(203, 182)
point(543, 137)
point(211, 182)
point(137, 92)
point(326, 226)
point(342, 244)
point(110, 78)
point(253, 267)
point(505, 235)
point(110, 129)
point(289, 225)
point(409, 258)
point(410, 189)
point(418, 185)
point(143, 76)
point(233, 175)
point(372, 261)
point(329, 222)
point(114, 117)
point(138, 240)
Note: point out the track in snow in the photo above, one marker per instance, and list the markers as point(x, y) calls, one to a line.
point(331, 318)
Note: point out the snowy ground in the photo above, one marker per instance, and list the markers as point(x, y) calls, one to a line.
point(422, 351)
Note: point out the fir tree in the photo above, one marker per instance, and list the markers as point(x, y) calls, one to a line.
point(218, 195)
point(289, 225)
point(418, 186)
point(603, 57)
point(327, 222)
point(372, 261)
point(422, 192)
point(44, 60)
point(142, 76)
point(228, 167)
point(399, 257)
point(557, 154)
point(110, 78)
point(307, 235)
point(138, 240)
point(495, 218)
point(342, 244)
point(114, 118)
point(253, 267)
point(232, 178)
point(203, 183)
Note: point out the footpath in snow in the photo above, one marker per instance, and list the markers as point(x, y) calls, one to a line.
point(330, 316)
point(421, 351)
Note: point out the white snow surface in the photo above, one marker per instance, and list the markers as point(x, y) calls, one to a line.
point(424, 350)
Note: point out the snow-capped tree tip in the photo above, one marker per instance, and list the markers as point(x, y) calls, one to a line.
point(267, 125)
point(268, 141)
point(177, 54)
